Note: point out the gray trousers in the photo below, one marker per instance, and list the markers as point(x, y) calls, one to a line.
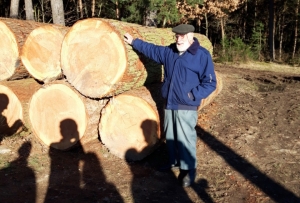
point(181, 137)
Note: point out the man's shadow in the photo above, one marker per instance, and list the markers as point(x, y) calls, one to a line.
point(150, 185)
point(200, 188)
point(18, 180)
point(5, 129)
point(76, 175)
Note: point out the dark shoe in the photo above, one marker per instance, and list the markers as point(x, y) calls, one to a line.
point(187, 177)
point(168, 167)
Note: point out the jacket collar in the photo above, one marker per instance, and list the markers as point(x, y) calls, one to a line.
point(194, 47)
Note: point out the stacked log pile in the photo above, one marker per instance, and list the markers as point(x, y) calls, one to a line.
point(83, 83)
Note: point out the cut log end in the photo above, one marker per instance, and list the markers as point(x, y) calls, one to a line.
point(58, 117)
point(129, 127)
point(41, 53)
point(11, 117)
point(93, 57)
point(9, 52)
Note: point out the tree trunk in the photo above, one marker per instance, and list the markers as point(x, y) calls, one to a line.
point(80, 10)
point(14, 8)
point(29, 10)
point(130, 124)
point(100, 9)
point(60, 116)
point(222, 20)
point(93, 8)
point(245, 19)
point(198, 25)
point(14, 99)
point(58, 13)
point(102, 65)
point(296, 29)
point(271, 30)
point(41, 48)
point(206, 25)
point(117, 10)
point(280, 41)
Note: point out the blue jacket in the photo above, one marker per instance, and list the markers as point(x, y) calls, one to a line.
point(188, 78)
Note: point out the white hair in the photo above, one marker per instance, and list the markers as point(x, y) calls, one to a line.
point(190, 37)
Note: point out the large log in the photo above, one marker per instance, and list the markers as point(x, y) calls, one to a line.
point(60, 117)
point(41, 51)
point(14, 99)
point(9, 52)
point(97, 62)
point(130, 125)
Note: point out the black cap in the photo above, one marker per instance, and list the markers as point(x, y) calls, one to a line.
point(183, 29)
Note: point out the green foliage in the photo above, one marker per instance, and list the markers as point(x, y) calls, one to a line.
point(234, 50)
point(257, 40)
point(191, 2)
point(105, 9)
point(296, 60)
point(134, 11)
point(167, 12)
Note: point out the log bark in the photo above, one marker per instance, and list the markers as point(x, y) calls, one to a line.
point(130, 125)
point(14, 99)
point(14, 34)
point(97, 62)
point(60, 117)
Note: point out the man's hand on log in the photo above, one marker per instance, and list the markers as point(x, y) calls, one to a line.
point(128, 38)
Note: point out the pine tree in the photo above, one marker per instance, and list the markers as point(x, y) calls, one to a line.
point(167, 12)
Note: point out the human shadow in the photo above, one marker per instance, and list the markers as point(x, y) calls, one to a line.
point(76, 176)
point(273, 189)
point(64, 178)
point(18, 180)
point(5, 129)
point(200, 188)
point(150, 185)
point(96, 188)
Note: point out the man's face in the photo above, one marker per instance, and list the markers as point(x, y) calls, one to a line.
point(182, 42)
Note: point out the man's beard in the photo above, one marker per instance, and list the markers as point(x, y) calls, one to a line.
point(183, 47)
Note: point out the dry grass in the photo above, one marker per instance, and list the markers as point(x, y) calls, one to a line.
point(263, 66)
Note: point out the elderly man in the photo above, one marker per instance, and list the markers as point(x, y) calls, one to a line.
point(189, 77)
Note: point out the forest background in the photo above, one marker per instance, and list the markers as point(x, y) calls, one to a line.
point(240, 30)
